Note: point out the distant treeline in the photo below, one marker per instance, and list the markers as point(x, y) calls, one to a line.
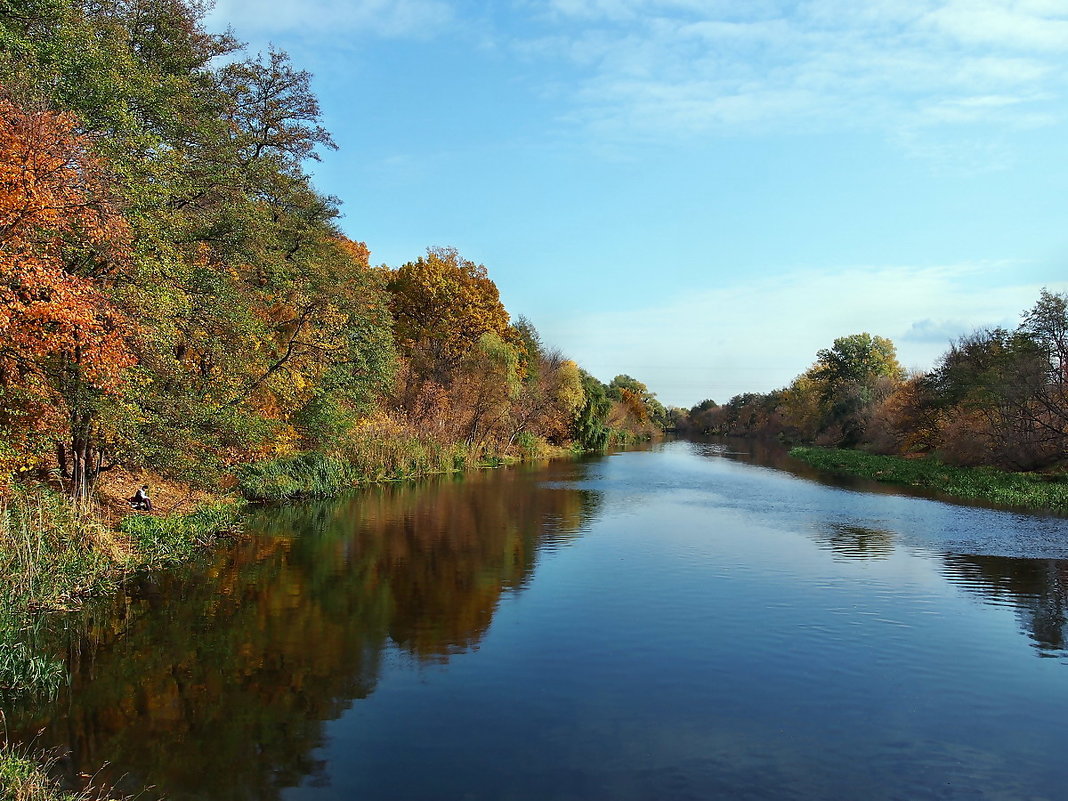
point(996, 397)
point(176, 295)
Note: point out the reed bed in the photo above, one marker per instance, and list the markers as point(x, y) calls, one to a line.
point(26, 776)
point(368, 456)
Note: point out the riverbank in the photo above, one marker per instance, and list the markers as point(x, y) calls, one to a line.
point(56, 553)
point(1032, 491)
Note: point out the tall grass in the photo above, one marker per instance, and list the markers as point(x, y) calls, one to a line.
point(1021, 490)
point(368, 456)
point(175, 538)
point(24, 776)
point(24, 779)
point(53, 550)
point(24, 667)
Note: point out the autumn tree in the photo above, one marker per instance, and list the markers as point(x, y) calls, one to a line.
point(1045, 327)
point(529, 346)
point(551, 391)
point(272, 110)
point(442, 305)
point(259, 328)
point(641, 404)
point(62, 245)
point(485, 383)
point(849, 377)
point(176, 293)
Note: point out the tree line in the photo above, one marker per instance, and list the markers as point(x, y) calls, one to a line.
point(175, 293)
point(996, 397)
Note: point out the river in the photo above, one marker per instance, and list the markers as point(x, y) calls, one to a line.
point(681, 622)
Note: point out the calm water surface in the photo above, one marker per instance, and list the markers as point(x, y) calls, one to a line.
point(683, 622)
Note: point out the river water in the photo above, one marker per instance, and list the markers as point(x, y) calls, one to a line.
point(683, 622)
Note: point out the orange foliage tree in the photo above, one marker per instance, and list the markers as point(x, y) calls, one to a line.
point(62, 341)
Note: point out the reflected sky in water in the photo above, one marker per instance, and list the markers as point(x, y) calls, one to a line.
point(682, 622)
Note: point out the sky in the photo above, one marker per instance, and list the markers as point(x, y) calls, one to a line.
point(702, 193)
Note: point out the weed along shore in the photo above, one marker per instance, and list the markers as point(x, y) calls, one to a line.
point(1030, 491)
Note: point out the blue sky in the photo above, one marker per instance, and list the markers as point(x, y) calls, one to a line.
point(702, 193)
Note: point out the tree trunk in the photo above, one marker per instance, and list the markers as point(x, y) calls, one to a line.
point(81, 478)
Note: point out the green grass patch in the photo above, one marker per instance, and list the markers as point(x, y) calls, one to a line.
point(1033, 491)
point(24, 667)
point(306, 475)
point(169, 539)
point(23, 779)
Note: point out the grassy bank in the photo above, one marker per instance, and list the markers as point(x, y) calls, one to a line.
point(23, 779)
point(373, 457)
point(1022, 490)
point(318, 475)
point(55, 554)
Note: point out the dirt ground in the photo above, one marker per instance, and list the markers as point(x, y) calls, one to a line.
point(115, 487)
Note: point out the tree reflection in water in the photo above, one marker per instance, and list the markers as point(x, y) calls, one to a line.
point(1036, 588)
point(856, 542)
point(214, 681)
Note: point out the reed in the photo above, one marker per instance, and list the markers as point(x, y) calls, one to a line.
point(53, 550)
point(368, 456)
point(25, 667)
point(24, 779)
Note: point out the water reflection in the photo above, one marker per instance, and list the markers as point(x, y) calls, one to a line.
point(856, 542)
point(722, 630)
point(214, 682)
point(1036, 588)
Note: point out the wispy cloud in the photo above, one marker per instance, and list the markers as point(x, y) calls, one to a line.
point(690, 67)
point(387, 18)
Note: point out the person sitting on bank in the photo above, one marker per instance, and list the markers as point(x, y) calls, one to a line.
point(140, 500)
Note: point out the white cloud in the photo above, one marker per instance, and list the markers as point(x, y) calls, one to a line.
point(388, 18)
point(1042, 24)
point(758, 335)
point(687, 67)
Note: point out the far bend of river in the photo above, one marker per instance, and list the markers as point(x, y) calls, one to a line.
point(675, 623)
